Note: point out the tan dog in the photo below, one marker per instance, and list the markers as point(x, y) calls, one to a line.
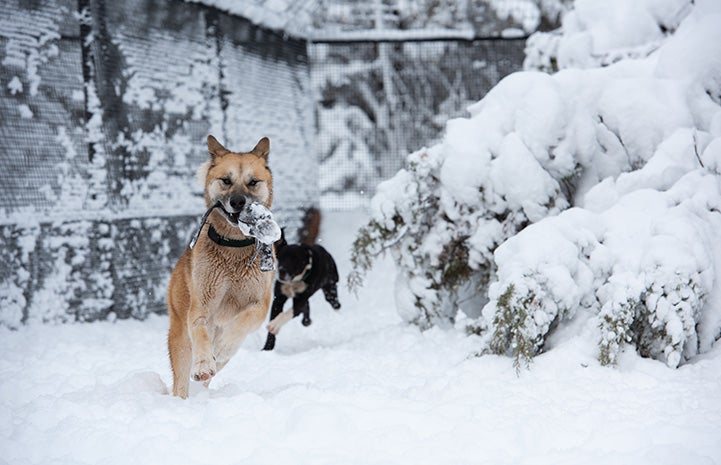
point(214, 298)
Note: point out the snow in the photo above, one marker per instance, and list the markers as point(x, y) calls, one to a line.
point(397, 20)
point(587, 203)
point(289, 16)
point(25, 111)
point(589, 194)
point(15, 85)
point(29, 46)
point(391, 35)
point(257, 221)
point(357, 387)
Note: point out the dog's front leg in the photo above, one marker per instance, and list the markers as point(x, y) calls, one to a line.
point(248, 320)
point(203, 367)
point(274, 326)
point(302, 307)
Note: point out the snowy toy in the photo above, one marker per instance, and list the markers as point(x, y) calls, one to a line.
point(254, 220)
point(257, 221)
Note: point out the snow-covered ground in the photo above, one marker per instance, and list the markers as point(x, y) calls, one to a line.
point(356, 387)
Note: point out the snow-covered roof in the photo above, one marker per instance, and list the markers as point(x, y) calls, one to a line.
point(291, 16)
point(392, 35)
point(394, 20)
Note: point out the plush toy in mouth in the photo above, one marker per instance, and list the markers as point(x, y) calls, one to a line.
point(254, 220)
point(257, 221)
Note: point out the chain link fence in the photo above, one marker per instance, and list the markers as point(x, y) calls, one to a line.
point(104, 114)
point(379, 101)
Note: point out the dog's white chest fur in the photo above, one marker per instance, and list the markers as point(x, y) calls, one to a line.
point(292, 288)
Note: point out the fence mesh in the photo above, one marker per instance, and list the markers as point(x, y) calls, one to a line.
point(378, 102)
point(104, 114)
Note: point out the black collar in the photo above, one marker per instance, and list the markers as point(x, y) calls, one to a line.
point(224, 241)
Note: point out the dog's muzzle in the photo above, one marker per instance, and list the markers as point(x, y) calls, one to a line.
point(232, 207)
point(285, 278)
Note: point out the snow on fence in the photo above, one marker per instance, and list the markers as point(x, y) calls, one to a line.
point(104, 116)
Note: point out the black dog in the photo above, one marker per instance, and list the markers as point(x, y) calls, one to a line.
point(302, 270)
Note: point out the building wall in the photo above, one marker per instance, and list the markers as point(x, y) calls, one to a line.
point(105, 107)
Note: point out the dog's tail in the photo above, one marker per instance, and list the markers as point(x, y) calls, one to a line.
point(310, 229)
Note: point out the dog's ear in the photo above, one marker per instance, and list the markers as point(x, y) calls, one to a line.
point(262, 148)
point(215, 148)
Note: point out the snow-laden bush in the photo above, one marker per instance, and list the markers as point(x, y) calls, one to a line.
point(637, 256)
point(407, 207)
point(482, 222)
point(599, 33)
point(448, 211)
point(546, 281)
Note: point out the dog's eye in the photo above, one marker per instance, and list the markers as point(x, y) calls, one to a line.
point(226, 181)
point(253, 182)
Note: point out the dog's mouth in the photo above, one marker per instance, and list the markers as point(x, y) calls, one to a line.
point(232, 218)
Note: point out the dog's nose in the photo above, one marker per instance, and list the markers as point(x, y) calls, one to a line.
point(237, 202)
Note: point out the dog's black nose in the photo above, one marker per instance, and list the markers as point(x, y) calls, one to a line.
point(237, 202)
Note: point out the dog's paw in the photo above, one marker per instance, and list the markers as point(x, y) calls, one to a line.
point(274, 327)
point(278, 322)
point(204, 369)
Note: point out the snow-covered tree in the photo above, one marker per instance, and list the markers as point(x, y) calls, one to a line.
point(590, 193)
point(597, 34)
